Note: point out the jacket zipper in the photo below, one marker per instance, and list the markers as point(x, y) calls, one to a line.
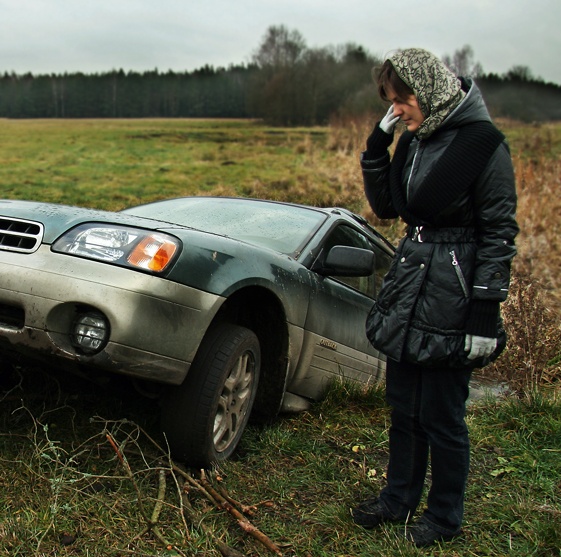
point(417, 148)
point(459, 273)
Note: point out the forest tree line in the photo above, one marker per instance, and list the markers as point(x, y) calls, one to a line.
point(285, 83)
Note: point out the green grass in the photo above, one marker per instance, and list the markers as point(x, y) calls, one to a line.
point(111, 164)
point(297, 478)
point(63, 482)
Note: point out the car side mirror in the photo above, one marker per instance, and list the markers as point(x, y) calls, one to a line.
point(346, 261)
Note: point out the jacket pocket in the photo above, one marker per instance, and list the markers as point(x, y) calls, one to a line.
point(459, 273)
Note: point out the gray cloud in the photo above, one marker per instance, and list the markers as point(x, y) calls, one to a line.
point(44, 36)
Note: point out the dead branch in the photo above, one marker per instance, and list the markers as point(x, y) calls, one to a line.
point(184, 503)
point(153, 525)
point(161, 494)
point(224, 549)
point(117, 451)
point(217, 499)
point(245, 509)
point(151, 521)
point(243, 522)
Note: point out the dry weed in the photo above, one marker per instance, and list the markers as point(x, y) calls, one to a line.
point(532, 311)
point(539, 218)
point(534, 339)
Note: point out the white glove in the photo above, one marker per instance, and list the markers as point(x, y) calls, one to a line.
point(388, 122)
point(479, 347)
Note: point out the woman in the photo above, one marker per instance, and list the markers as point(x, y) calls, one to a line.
point(437, 315)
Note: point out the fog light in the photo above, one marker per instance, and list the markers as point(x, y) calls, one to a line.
point(91, 332)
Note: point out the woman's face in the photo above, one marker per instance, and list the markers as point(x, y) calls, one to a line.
point(407, 109)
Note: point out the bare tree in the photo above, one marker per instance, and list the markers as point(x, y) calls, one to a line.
point(280, 48)
point(461, 63)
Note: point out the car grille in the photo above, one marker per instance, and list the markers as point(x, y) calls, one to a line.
point(12, 317)
point(20, 235)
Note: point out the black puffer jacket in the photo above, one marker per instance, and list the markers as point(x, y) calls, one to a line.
point(452, 270)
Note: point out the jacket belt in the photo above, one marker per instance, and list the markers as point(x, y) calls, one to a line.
point(441, 235)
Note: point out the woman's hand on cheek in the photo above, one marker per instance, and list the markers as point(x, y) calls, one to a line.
point(388, 122)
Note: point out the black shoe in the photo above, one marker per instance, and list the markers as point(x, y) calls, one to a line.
point(422, 534)
point(371, 513)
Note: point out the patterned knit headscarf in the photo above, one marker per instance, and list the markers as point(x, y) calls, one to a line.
point(437, 90)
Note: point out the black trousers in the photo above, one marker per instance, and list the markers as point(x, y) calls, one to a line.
point(428, 419)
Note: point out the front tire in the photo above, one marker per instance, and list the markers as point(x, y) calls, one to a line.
point(203, 418)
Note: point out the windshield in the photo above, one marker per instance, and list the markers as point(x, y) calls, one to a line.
point(282, 227)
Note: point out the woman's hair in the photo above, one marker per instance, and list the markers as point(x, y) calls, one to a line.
point(388, 79)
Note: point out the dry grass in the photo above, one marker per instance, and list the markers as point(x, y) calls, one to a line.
point(531, 313)
point(531, 358)
point(113, 164)
point(78, 479)
point(539, 217)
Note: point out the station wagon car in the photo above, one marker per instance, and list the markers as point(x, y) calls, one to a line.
point(230, 306)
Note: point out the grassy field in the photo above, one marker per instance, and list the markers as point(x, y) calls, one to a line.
point(82, 469)
point(83, 472)
point(112, 164)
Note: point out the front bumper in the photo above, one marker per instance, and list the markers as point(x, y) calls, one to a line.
point(156, 325)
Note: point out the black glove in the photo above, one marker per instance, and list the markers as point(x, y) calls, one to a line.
point(378, 142)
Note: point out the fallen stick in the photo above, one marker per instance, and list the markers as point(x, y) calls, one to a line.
point(213, 496)
point(151, 521)
point(243, 522)
point(224, 549)
point(246, 509)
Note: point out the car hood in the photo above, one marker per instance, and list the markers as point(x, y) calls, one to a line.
point(57, 219)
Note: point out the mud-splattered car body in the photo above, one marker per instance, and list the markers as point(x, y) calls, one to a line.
point(232, 304)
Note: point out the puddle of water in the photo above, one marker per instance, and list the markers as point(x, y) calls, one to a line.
point(481, 387)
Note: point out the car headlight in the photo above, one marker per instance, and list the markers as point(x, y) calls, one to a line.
point(121, 245)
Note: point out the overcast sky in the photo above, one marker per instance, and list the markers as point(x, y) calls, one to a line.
point(56, 36)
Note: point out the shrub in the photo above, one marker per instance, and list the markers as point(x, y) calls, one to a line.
point(531, 358)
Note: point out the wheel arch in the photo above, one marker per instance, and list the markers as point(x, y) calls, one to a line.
point(261, 311)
